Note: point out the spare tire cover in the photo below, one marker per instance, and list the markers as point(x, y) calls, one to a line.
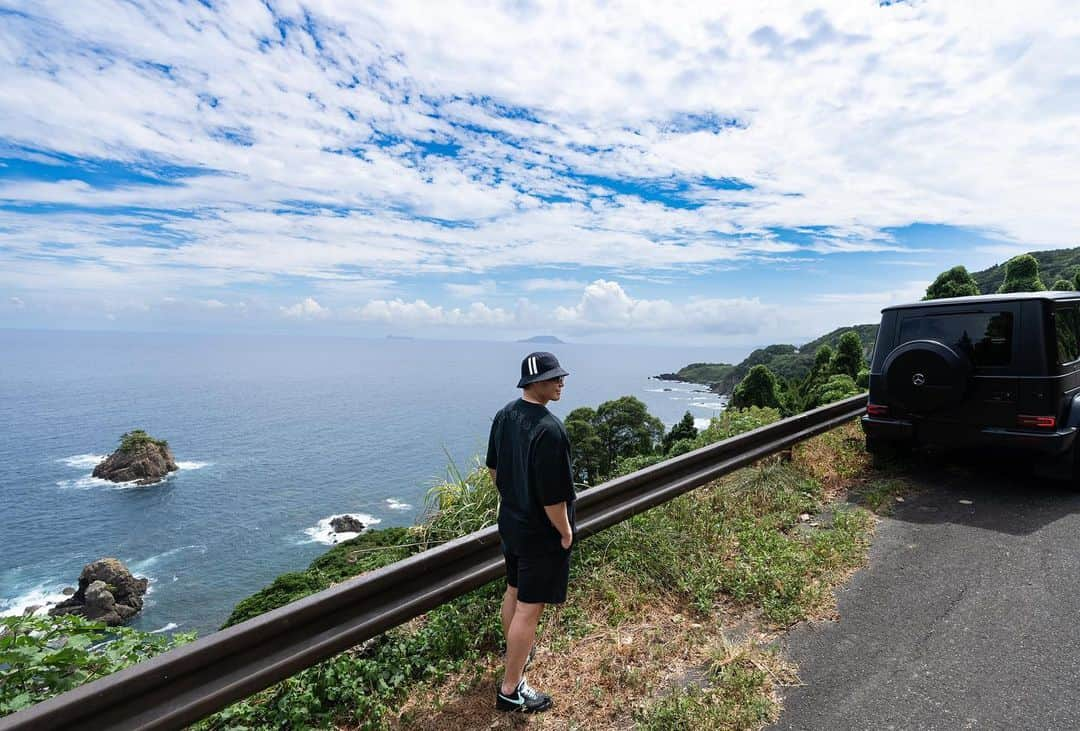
point(922, 376)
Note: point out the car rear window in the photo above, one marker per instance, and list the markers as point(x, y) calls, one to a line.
point(984, 337)
point(1067, 325)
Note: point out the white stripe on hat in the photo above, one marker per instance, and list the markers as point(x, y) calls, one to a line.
point(532, 365)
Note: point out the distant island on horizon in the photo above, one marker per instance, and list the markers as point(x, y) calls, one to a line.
point(546, 339)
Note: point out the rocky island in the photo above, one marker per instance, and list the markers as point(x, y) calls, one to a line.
point(107, 593)
point(140, 458)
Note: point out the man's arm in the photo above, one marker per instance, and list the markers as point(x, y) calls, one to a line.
point(557, 515)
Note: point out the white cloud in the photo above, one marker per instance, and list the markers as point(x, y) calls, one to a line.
point(550, 285)
point(306, 309)
point(17, 303)
point(604, 305)
point(469, 291)
point(420, 314)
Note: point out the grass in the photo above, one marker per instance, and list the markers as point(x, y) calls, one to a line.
point(737, 693)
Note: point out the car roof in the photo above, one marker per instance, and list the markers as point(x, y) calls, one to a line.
point(984, 298)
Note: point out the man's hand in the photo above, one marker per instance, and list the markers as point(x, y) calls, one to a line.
point(557, 515)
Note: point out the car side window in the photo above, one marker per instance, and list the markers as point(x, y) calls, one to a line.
point(1067, 325)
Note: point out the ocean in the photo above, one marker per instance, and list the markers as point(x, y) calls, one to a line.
point(273, 436)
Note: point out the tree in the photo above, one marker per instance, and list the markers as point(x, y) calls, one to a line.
point(586, 448)
point(955, 282)
point(1062, 285)
point(685, 429)
point(759, 388)
point(626, 429)
point(1022, 275)
point(822, 358)
point(849, 356)
point(1076, 280)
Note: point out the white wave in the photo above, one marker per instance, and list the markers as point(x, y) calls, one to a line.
point(142, 566)
point(42, 596)
point(712, 405)
point(323, 533)
point(83, 460)
point(193, 465)
point(89, 482)
point(170, 626)
point(397, 504)
point(700, 424)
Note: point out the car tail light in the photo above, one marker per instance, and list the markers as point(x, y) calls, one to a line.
point(1037, 422)
point(877, 410)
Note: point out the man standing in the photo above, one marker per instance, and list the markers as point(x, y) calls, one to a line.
point(529, 458)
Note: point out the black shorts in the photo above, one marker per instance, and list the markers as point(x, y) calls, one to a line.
point(540, 578)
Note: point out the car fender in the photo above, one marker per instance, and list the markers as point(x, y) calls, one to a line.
point(1072, 416)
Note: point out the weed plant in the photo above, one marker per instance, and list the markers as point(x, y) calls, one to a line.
point(41, 656)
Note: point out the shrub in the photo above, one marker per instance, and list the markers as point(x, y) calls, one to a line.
point(137, 439)
point(42, 656)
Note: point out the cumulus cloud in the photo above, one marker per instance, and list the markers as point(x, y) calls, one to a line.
point(605, 305)
point(306, 309)
point(419, 313)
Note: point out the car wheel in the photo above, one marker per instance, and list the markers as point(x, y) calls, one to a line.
point(923, 376)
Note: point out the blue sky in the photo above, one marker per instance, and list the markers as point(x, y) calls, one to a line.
point(603, 173)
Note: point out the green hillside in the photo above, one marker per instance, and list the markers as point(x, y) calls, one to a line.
point(1053, 265)
point(787, 361)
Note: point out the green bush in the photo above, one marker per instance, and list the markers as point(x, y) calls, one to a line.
point(42, 656)
point(137, 439)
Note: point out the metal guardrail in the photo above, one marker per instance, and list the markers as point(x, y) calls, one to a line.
point(193, 681)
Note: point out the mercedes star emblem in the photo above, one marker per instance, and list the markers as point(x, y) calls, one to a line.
point(918, 379)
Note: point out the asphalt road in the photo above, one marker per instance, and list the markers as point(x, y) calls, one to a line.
point(967, 616)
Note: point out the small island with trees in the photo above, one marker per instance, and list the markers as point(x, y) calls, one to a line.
point(140, 458)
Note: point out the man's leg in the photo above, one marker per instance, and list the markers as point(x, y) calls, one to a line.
point(508, 605)
point(519, 640)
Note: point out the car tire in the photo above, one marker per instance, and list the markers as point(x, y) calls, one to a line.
point(924, 376)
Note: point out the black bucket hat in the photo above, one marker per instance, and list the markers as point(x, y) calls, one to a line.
point(540, 367)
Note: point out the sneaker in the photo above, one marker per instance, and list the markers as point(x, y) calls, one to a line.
point(523, 700)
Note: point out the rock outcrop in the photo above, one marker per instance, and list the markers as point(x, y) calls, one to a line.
point(107, 593)
point(346, 524)
point(140, 458)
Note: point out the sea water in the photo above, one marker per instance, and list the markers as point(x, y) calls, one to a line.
point(274, 435)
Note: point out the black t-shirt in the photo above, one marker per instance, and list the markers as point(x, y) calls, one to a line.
point(530, 453)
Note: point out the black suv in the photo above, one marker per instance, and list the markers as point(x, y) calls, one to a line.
point(997, 370)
